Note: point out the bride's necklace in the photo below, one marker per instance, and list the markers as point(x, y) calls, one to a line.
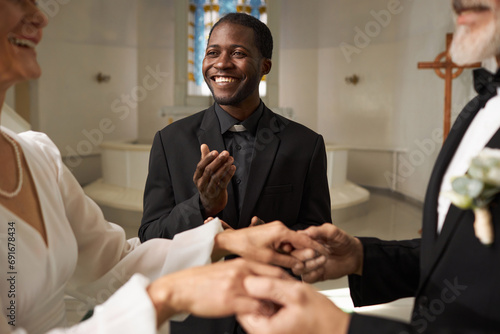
point(19, 169)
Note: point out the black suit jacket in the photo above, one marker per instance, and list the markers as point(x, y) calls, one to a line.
point(287, 182)
point(455, 279)
point(287, 178)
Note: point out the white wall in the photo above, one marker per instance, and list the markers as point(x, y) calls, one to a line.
point(395, 105)
point(130, 40)
point(9, 97)
point(82, 39)
point(298, 83)
point(156, 25)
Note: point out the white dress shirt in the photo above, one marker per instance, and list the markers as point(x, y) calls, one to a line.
point(483, 127)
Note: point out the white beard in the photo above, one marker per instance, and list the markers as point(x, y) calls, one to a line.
point(468, 47)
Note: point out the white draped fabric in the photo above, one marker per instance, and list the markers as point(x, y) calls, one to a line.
point(85, 256)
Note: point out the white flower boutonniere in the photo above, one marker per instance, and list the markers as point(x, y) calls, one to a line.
point(477, 189)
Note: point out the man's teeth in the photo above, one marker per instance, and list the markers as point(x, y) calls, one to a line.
point(224, 79)
point(22, 42)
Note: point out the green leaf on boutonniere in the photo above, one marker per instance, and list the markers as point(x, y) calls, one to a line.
point(477, 189)
point(466, 186)
point(486, 167)
point(477, 170)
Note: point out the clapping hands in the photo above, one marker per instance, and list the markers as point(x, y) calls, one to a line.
point(212, 176)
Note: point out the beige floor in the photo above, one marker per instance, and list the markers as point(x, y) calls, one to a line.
point(387, 217)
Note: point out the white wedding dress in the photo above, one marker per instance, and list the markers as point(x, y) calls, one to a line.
point(86, 257)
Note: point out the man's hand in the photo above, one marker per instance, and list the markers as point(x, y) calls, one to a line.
point(298, 309)
point(256, 221)
point(345, 255)
point(269, 243)
point(210, 291)
point(212, 175)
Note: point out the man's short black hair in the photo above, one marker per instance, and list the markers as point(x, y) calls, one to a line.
point(262, 34)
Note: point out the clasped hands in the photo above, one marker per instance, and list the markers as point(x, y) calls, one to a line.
point(218, 290)
point(264, 297)
point(296, 307)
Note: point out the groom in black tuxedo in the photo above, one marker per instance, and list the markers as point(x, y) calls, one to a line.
point(454, 277)
point(253, 161)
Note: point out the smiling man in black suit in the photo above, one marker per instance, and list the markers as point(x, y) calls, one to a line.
point(261, 164)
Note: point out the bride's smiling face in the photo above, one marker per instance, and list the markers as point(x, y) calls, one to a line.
point(21, 24)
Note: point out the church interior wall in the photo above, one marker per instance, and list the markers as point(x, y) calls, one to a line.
point(395, 108)
point(156, 24)
point(73, 108)
point(298, 43)
point(9, 97)
point(299, 84)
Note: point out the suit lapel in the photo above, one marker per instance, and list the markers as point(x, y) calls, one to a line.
point(430, 216)
point(209, 133)
point(266, 146)
point(434, 245)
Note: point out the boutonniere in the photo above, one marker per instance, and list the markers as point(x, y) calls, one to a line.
point(476, 190)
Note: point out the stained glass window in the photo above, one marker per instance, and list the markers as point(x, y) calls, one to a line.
point(202, 16)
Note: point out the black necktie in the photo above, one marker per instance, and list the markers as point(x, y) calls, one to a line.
point(241, 150)
point(486, 83)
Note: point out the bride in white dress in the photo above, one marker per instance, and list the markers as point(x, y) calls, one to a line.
point(55, 241)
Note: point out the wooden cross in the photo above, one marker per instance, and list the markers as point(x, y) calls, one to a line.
point(448, 75)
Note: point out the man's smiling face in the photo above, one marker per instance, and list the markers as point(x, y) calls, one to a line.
point(233, 66)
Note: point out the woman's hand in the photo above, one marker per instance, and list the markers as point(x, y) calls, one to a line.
point(215, 290)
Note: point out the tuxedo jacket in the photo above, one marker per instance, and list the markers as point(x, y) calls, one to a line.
point(287, 178)
point(455, 279)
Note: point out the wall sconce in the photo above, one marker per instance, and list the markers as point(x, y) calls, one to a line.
point(352, 80)
point(101, 78)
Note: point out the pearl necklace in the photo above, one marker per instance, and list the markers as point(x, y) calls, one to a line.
point(19, 169)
